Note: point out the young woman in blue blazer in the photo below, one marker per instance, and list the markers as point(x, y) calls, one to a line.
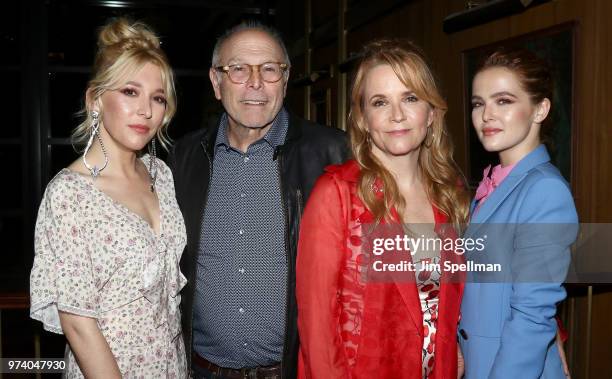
point(526, 211)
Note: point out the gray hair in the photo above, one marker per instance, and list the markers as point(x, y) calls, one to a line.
point(249, 25)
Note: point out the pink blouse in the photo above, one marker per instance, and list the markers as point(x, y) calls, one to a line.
point(488, 184)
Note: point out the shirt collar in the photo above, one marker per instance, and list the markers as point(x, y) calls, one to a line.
point(275, 135)
point(500, 172)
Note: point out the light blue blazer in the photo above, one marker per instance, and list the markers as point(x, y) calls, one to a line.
point(508, 326)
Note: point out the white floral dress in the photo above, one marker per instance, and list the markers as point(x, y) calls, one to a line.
point(96, 258)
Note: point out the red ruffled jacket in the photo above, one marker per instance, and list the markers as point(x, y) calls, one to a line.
point(355, 328)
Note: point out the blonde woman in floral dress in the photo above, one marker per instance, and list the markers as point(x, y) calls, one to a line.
point(109, 233)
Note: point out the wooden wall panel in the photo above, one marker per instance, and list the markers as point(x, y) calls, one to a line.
point(603, 110)
point(323, 11)
point(322, 60)
point(323, 57)
point(405, 22)
point(577, 321)
point(601, 357)
point(294, 100)
point(292, 24)
point(539, 17)
point(447, 68)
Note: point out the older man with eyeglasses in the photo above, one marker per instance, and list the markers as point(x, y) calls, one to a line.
point(241, 185)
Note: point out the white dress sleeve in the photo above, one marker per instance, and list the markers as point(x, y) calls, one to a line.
point(62, 278)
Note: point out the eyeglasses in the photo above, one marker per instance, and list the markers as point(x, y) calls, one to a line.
point(271, 72)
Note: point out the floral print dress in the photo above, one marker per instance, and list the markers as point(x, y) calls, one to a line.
point(428, 284)
point(96, 258)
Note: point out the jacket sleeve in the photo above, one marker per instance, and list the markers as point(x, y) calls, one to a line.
point(344, 151)
point(320, 253)
point(171, 159)
point(541, 257)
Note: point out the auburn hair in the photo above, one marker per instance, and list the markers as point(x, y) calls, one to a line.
point(443, 181)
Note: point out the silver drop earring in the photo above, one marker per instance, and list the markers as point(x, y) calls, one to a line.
point(152, 164)
point(95, 132)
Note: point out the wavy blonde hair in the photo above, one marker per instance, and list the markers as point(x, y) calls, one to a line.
point(124, 47)
point(443, 181)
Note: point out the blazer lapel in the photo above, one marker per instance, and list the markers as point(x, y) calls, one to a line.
point(531, 160)
point(451, 285)
point(406, 286)
point(410, 294)
point(496, 198)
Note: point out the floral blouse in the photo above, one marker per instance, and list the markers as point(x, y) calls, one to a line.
point(96, 258)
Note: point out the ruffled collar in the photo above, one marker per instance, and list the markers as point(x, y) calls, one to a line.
point(161, 275)
point(162, 283)
point(489, 183)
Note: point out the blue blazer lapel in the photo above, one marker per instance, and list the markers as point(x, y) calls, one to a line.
point(473, 205)
point(537, 157)
point(496, 198)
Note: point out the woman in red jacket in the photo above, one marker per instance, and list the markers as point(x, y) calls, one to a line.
point(355, 322)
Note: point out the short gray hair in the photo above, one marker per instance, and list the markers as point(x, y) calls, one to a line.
point(249, 25)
